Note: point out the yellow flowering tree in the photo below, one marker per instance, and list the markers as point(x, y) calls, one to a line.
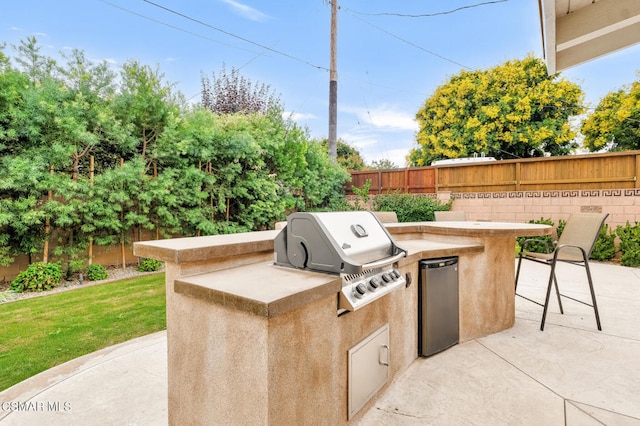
point(615, 123)
point(512, 110)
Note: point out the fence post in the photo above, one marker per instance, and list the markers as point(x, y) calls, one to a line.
point(406, 180)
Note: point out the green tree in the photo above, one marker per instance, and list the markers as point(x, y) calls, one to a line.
point(35, 65)
point(146, 103)
point(383, 164)
point(511, 110)
point(348, 156)
point(159, 165)
point(323, 180)
point(13, 85)
point(23, 209)
point(615, 123)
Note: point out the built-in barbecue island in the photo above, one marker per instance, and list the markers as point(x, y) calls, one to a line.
point(255, 336)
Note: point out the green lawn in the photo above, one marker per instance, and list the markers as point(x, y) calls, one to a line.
point(39, 333)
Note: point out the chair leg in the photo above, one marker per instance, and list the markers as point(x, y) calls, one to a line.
point(546, 300)
point(518, 270)
point(593, 295)
point(555, 283)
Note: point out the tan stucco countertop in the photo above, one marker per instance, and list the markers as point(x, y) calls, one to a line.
point(197, 249)
point(265, 289)
point(471, 229)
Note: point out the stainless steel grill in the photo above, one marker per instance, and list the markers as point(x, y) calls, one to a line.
point(354, 245)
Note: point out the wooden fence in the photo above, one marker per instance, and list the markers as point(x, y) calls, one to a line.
point(617, 170)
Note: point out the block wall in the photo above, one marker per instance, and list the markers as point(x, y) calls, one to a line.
point(521, 206)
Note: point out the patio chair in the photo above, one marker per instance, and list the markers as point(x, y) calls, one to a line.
point(386, 217)
point(574, 246)
point(457, 216)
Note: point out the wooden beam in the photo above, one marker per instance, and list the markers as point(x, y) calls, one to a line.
point(595, 20)
point(598, 29)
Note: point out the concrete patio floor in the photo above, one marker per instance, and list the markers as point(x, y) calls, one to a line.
point(569, 374)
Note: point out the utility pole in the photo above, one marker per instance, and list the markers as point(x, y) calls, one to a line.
point(333, 85)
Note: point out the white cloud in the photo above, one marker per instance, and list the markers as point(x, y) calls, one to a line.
point(397, 156)
point(300, 117)
point(246, 11)
point(380, 143)
point(384, 117)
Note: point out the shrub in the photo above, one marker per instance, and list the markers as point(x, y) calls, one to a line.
point(605, 248)
point(96, 273)
point(409, 207)
point(74, 267)
point(629, 244)
point(38, 276)
point(539, 244)
point(362, 195)
point(149, 265)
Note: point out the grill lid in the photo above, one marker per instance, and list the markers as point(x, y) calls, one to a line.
point(337, 242)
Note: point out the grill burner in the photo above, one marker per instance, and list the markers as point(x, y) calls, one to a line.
point(354, 245)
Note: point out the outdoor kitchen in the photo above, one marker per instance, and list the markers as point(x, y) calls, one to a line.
point(309, 324)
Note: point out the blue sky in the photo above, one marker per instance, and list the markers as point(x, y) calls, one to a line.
point(388, 65)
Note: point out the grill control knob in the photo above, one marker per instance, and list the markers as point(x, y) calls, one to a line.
point(386, 278)
point(396, 273)
point(374, 283)
point(359, 290)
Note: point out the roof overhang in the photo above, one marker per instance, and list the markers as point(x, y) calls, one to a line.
point(576, 31)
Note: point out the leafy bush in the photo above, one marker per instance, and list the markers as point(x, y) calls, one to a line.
point(629, 244)
point(561, 224)
point(74, 267)
point(38, 276)
point(149, 265)
point(539, 244)
point(96, 273)
point(362, 195)
point(410, 207)
point(605, 248)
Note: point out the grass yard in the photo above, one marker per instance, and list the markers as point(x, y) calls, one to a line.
point(39, 333)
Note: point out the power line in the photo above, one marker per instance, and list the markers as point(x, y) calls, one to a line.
point(246, 40)
point(173, 26)
point(428, 15)
point(430, 52)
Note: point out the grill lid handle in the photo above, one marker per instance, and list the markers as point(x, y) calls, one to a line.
point(384, 262)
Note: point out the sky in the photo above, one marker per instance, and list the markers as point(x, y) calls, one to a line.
point(388, 62)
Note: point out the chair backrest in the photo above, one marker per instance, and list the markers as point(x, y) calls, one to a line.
point(387, 217)
point(447, 216)
point(582, 230)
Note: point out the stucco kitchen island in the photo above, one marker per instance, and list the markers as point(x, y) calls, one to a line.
point(487, 302)
point(254, 343)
